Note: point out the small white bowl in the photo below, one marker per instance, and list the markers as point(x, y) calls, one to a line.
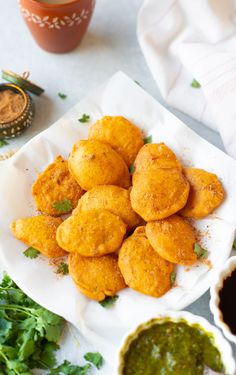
point(226, 271)
point(176, 316)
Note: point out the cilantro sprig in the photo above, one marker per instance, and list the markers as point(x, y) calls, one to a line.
point(95, 358)
point(63, 206)
point(147, 139)
point(31, 253)
point(62, 96)
point(108, 301)
point(62, 268)
point(84, 118)
point(131, 169)
point(28, 332)
point(3, 142)
point(195, 84)
point(201, 253)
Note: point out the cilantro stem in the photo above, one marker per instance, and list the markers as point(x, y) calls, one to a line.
point(6, 361)
point(16, 308)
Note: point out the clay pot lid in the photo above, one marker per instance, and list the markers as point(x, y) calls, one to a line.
point(22, 81)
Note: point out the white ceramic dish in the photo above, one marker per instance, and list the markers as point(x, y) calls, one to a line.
point(226, 271)
point(176, 316)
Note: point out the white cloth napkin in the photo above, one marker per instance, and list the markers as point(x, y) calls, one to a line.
point(184, 40)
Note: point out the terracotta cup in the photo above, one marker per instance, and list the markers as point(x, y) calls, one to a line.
point(57, 27)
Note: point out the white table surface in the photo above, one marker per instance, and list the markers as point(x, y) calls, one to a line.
point(109, 45)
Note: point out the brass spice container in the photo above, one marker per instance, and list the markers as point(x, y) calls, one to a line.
point(20, 85)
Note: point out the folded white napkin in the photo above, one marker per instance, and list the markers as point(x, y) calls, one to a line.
point(184, 40)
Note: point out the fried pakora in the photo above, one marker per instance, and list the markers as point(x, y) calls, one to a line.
point(54, 185)
point(91, 233)
point(123, 136)
point(40, 233)
point(173, 239)
point(158, 194)
point(95, 163)
point(111, 198)
point(153, 156)
point(141, 266)
point(96, 277)
point(206, 193)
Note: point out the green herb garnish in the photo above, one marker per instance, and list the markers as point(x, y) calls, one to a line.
point(31, 253)
point(108, 301)
point(132, 169)
point(201, 253)
point(195, 84)
point(84, 118)
point(234, 244)
point(95, 358)
point(137, 83)
point(28, 332)
point(173, 277)
point(148, 139)
point(62, 96)
point(3, 142)
point(68, 369)
point(63, 268)
point(63, 206)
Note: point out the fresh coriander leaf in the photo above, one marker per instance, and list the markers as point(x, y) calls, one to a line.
point(234, 244)
point(195, 84)
point(108, 301)
point(61, 95)
point(84, 118)
point(31, 253)
point(68, 369)
point(3, 142)
point(95, 358)
point(5, 329)
point(131, 169)
point(201, 253)
point(148, 139)
point(63, 268)
point(173, 277)
point(63, 206)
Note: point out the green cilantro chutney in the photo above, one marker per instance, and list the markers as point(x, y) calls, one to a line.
point(172, 348)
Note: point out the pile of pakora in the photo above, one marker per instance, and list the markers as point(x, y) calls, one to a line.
point(119, 209)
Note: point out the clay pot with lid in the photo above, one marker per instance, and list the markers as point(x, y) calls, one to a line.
point(57, 26)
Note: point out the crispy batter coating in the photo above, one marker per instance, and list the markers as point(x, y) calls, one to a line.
point(173, 239)
point(55, 184)
point(142, 268)
point(123, 136)
point(91, 233)
point(206, 193)
point(96, 277)
point(159, 194)
point(40, 233)
point(153, 156)
point(112, 198)
point(95, 163)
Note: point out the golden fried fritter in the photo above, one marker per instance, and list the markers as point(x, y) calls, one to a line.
point(158, 194)
point(173, 239)
point(54, 185)
point(40, 233)
point(206, 193)
point(153, 156)
point(92, 233)
point(124, 137)
point(112, 198)
point(96, 277)
point(95, 163)
point(142, 268)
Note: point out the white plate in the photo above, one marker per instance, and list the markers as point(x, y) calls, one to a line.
point(104, 328)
